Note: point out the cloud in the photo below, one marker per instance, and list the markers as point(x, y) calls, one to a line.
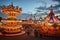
point(0, 8)
point(41, 8)
point(44, 11)
point(57, 7)
point(23, 16)
point(56, 1)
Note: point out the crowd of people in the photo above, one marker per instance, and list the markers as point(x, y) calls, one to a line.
point(34, 33)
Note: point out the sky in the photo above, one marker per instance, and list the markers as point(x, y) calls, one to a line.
point(34, 6)
point(29, 5)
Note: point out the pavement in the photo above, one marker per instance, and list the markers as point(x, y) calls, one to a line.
point(26, 37)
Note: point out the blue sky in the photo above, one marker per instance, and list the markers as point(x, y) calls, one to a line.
point(29, 5)
point(33, 6)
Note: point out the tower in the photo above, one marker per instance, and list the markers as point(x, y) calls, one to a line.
point(12, 26)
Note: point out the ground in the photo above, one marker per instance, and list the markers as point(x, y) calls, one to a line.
point(26, 37)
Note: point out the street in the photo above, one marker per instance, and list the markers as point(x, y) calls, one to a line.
point(26, 37)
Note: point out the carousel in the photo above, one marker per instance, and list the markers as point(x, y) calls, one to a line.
point(50, 26)
point(11, 26)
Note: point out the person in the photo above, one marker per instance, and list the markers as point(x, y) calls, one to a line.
point(39, 33)
point(36, 33)
point(28, 32)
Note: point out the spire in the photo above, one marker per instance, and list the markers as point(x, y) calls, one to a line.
point(12, 3)
point(51, 9)
point(51, 6)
